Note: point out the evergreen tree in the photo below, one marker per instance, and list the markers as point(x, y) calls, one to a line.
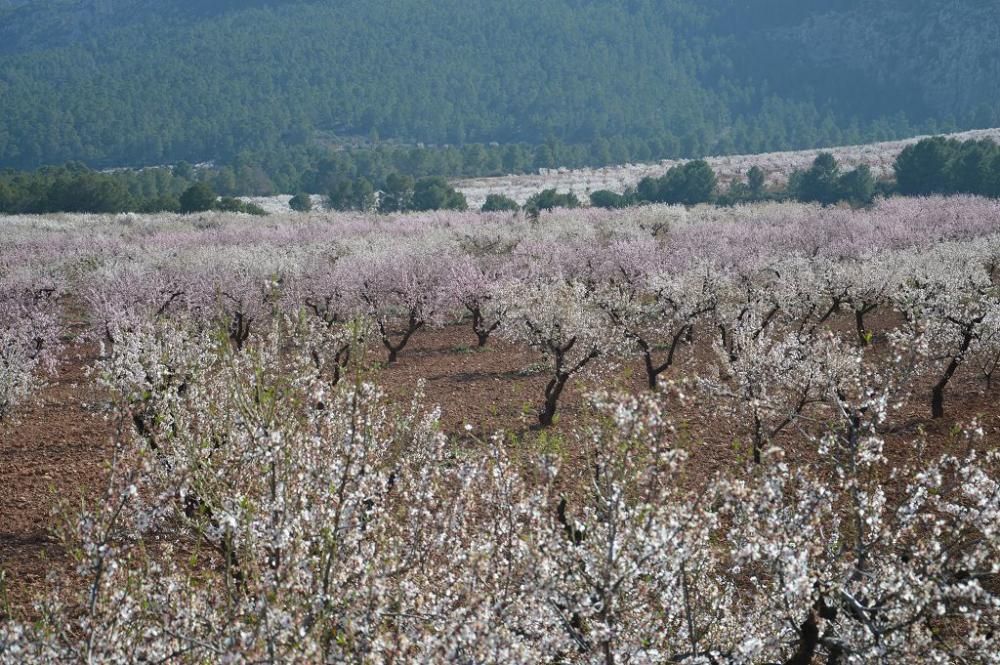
point(550, 199)
point(347, 194)
point(397, 193)
point(604, 198)
point(499, 203)
point(756, 182)
point(857, 186)
point(696, 184)
point(6, 198)
point(689, 184)
point(434, 193)
point(301, 202)
point(820, 183)
point(923, 168)
point(197, 198)
point(970, 166)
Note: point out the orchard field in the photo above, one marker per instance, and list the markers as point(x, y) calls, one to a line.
point(777, 167)
point(760, 434)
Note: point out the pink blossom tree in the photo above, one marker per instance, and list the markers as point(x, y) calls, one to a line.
point(400, 292)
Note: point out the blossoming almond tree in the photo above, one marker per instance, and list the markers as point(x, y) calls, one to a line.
point(559, 319)
point(400, 292)
point(30, 329)
point(259, 509)
point(985, 351)
point(322, 513)
point(323, 317)
point(242, 296)
point(473, 284)
point(637, 578)
point(947, 300)
point(647, 305)
point(768, 377)
point(881, 572)
point(356, 534)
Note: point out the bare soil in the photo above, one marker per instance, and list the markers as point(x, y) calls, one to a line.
point(54, 451)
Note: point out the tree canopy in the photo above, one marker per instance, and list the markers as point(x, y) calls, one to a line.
point(940, 165)
point(689, 184)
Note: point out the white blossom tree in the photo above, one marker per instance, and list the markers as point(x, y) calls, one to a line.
point(559, 319)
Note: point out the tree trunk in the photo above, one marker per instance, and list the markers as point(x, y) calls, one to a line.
point(937, 394)
point(479, 326)
point(651, 374)
point(239, 330)
point(552, 392)
point(808, 641)
point(937, 400)
point(394, 349)
point(653, 371)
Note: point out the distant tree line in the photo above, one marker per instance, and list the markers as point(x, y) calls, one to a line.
point(76, 188)
point(325, 170)
point(184, 189)
point(361, 181)
point(936, 165)
point(695, 182)
point(940, 165)
point(341, 172)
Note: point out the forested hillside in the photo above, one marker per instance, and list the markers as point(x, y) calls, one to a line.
point(134, 82)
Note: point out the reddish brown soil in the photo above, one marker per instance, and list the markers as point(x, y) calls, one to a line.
point(497, 387)
point(491, 390)
point(54, 451)
point(58, 447)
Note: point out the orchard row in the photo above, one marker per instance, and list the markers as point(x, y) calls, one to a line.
point(589, 290)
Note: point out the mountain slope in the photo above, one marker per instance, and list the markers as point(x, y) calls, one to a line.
point(114, 82)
